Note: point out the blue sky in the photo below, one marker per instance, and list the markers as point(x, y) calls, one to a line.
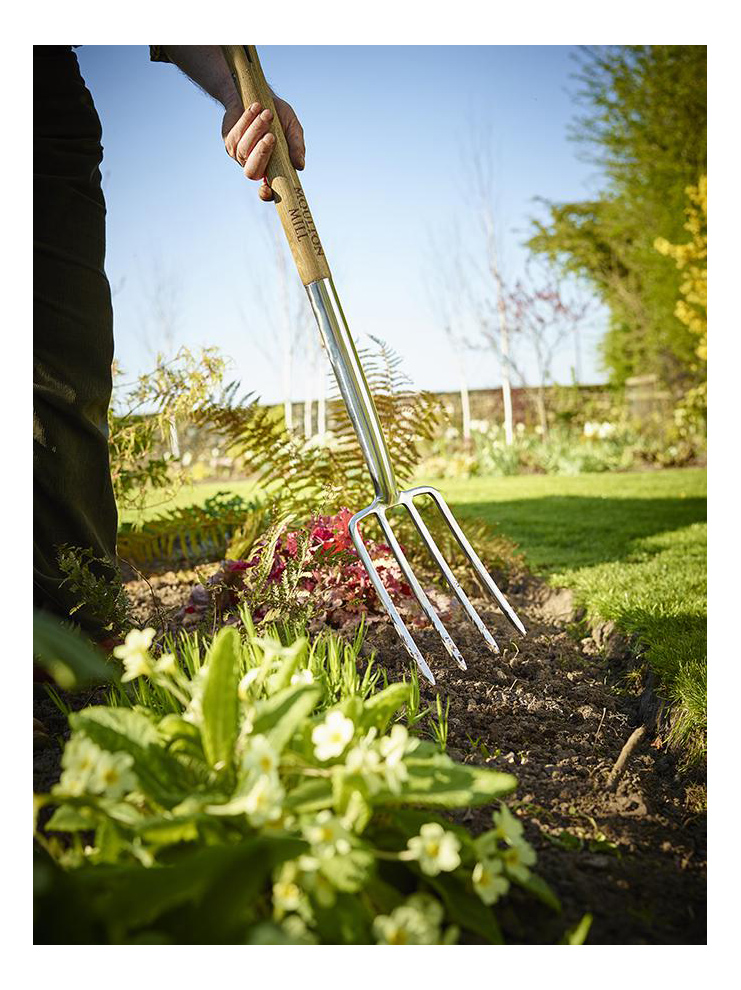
point(387, 130)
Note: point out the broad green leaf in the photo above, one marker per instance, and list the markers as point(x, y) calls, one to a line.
point(281, 715)
point(168, 831)
point(223, 881)
point(125, 730)
point(349, 872)
point(380, 708)
point(314, 794)
point(347, 922)
point(220, 701)
point(67, 818)
point(536, 886)
point(67, 655)
point(435, 780)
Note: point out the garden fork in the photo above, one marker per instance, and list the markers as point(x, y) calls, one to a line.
point(312, 266)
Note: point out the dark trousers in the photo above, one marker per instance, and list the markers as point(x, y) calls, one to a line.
point(73, 332)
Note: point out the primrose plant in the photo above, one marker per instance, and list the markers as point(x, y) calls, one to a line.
point(245, 803)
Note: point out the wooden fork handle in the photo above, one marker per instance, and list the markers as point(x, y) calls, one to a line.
point(288, 194)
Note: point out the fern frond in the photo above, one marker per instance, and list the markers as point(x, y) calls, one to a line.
point(195, 532)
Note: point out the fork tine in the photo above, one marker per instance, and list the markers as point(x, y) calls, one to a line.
point(466, 547)
point(442, 563)
point(418, 590)
point(399, 625)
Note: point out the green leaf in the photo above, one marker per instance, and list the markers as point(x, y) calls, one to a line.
point(160, 774)
point(381, 707)
point(292, 657)
point(349, 872)
point(578, 934)
point(279, 716)
point(166, 832)
point(310, 796)
point(211, 891)
point(67, 655)
point(220, 700)
point(536, 886)
point(436, 781)
point(68, 819)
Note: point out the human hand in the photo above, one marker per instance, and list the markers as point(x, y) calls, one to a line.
point(250, 143)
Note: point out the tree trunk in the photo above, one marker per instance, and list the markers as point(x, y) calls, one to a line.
point(509, 433)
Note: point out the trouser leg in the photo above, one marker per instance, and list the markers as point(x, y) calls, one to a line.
point(73, 333)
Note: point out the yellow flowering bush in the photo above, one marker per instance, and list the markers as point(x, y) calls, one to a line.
point(691, 259)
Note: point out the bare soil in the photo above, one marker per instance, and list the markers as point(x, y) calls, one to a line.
point(553, 708)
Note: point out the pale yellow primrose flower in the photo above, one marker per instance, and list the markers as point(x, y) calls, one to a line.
point(78, 762)
point(406, 925)
point(394, 746)
point(435, 849)
point(166, 664)
point(135, 653)
point(488, 881)
point(260, 757)
point(507, 826)
point(517, 859)
point(113, 775)
point(364, 761)
point(327, 834)
point(286, 895)
point(332, 736)
point(264, 802)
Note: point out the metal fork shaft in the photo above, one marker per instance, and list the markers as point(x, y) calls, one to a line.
point(353, 386)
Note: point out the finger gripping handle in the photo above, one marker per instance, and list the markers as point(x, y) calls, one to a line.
point(290, 201)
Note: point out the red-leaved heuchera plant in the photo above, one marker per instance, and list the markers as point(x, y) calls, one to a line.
point(314, 572)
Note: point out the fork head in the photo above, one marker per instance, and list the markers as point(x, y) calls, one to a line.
point(363, 414)
point(379, 508)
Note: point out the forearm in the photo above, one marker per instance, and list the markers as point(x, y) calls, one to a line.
point(206, 66)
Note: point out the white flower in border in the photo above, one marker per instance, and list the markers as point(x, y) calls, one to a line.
point(517, 860)
point(286, 895)
point(303, 677)
point(113, 775)
point(508, 827)
point(488, 881)
point(395, 774)
point(406, 925)
point(435, 849)
point(78, 764)
point(327, 834)
point(394, 746)
point(332, 736)
point(260, 757)
point(167, 664)
point(431, 908)
point(363, 760)
point(264, 803)
point(134, 652)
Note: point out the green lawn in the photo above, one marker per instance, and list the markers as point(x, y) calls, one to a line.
point(632, 546)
